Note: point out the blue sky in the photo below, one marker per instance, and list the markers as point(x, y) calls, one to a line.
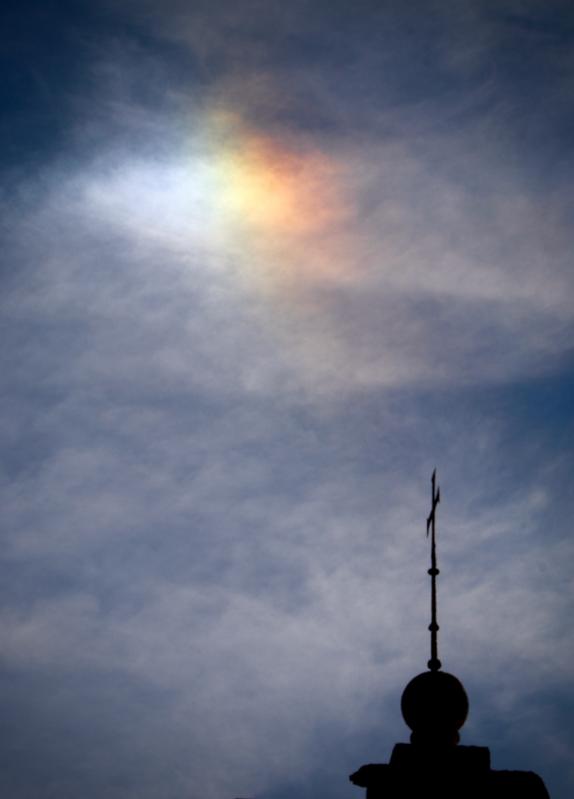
point(265, 266)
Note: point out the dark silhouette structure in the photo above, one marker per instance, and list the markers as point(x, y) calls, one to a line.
point(435, 706)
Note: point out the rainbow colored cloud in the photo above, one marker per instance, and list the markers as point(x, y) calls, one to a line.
point(282, 202)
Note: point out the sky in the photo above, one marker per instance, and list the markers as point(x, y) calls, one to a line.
point(265, 265)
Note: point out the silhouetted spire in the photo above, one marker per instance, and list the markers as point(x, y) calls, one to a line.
point(434, 663)
point(435, 706)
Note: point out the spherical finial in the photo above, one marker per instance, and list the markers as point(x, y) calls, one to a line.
point(435, 706)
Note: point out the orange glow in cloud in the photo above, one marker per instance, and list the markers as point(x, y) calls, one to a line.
point(285, 206)
point(277, 190)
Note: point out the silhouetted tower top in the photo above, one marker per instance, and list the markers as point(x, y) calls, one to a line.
point(435, 706)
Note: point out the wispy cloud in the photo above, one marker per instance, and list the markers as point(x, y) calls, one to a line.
point(219, 427)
